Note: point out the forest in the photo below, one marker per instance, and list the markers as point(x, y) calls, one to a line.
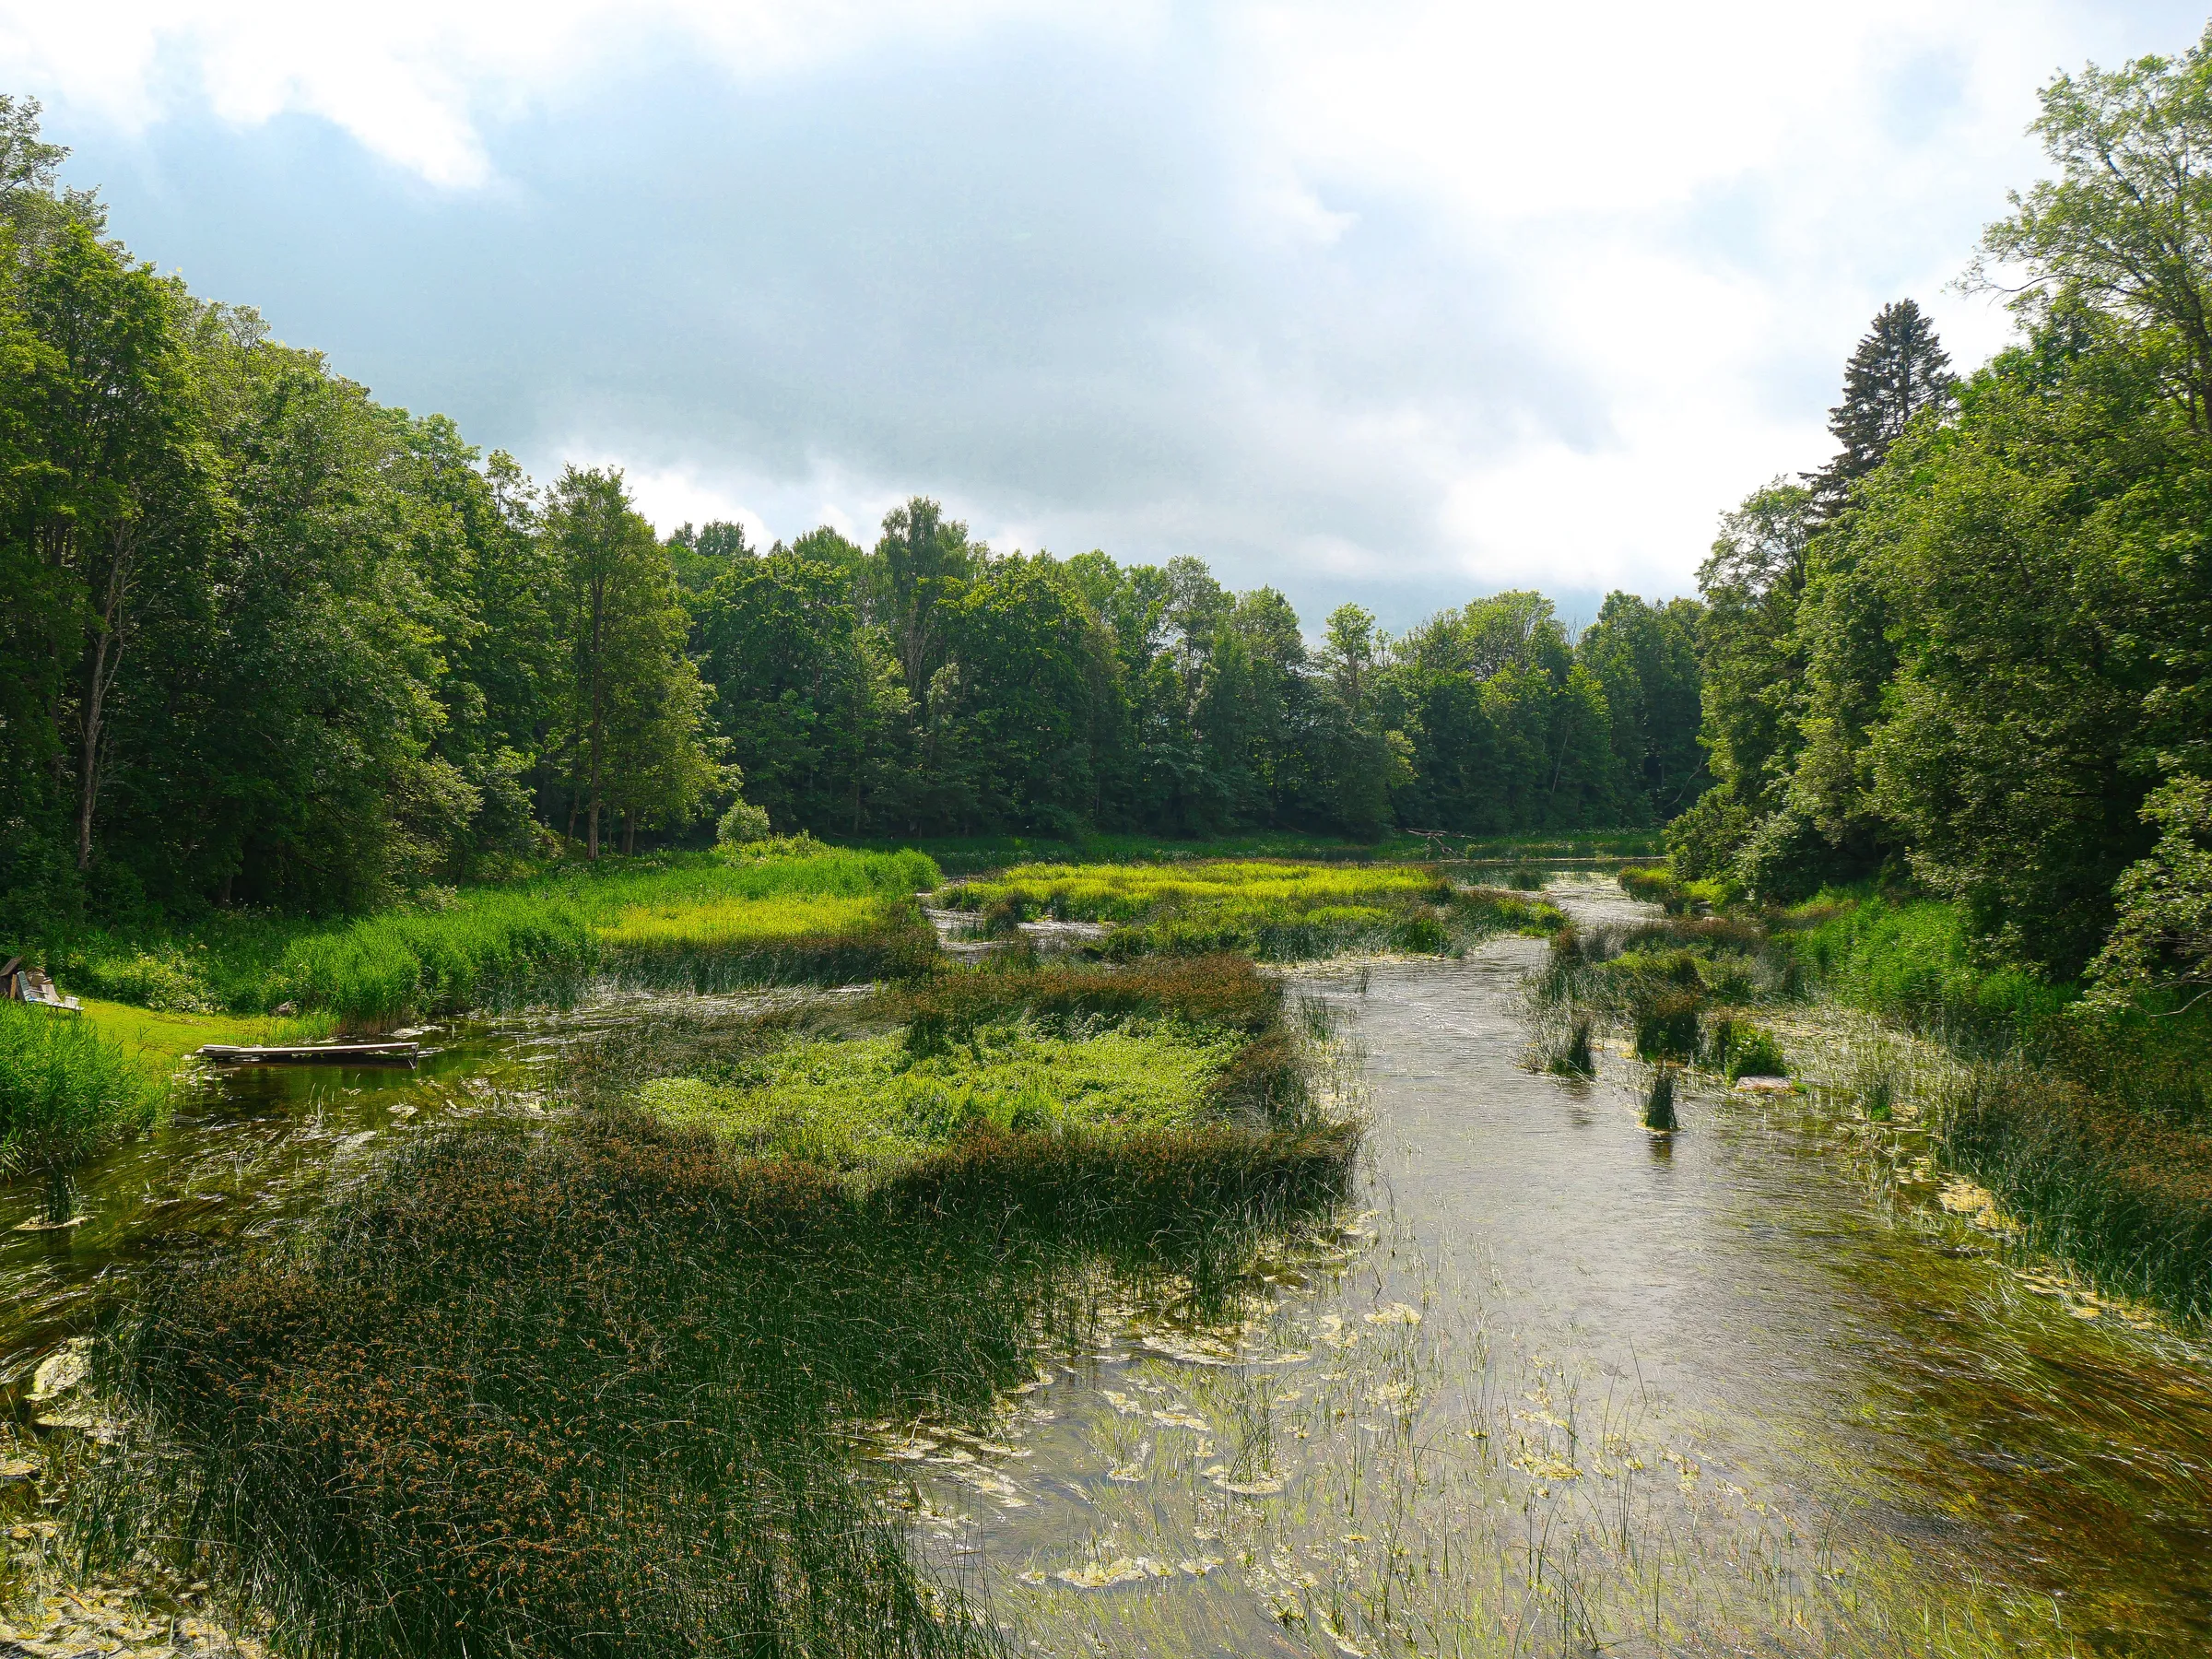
point(274, 644)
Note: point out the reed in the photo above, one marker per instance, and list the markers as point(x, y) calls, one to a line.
point(584, 1392)
point(68, 1090)
point(703, 922)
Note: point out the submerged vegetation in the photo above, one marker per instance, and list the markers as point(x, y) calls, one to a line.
point(1277, 911)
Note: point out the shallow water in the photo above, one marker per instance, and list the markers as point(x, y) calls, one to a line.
point(1558, 1383)
point(1857, 1426)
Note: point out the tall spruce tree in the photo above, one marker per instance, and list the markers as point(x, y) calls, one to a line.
point(1898, 370)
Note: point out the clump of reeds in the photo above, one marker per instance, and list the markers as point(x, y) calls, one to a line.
point(1737, 1047)
point(701, 923)
point(66, 1091)
point(1666, 1026)
point(1659, 1100)
point(1223, 991)
point(1655, 884)
point(2124, 1195)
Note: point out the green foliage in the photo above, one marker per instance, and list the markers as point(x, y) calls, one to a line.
point(1917, 961)
point(2162, 940)
point(67, 1090)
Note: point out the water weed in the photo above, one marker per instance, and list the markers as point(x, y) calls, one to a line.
point(585, 1390)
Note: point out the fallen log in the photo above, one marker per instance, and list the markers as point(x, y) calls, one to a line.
point(313, 1054)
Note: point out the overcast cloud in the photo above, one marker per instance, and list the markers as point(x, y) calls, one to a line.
point(1400, 303)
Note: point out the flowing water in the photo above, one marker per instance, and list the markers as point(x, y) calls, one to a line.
point(1558, 1385)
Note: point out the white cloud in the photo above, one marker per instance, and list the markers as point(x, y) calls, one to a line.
point(1449, 294)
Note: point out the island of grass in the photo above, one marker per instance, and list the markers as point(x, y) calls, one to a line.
point(589, 1386)
point(1276, 910)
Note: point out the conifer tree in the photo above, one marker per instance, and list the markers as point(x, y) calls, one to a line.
point(1898, 370)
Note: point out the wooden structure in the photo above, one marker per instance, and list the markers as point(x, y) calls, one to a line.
point(23, 984)
point(313, 1054)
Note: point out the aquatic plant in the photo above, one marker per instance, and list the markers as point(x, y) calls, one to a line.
point(67, 1090)
point(1655, 884)
point(1659, 1099)
point(1666, 1026)
point(584, 1392)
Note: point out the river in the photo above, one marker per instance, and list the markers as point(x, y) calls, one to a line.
point(1557, 1383)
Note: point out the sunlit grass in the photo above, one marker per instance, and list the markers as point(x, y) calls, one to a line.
point(699, 921)
point(870, 1102)
point(1275, 910)
point(67, 1090)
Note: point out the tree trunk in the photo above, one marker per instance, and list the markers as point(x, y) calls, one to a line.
point(630, 830)
point(106, 660)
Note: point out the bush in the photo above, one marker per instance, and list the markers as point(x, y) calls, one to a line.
point(743, 824)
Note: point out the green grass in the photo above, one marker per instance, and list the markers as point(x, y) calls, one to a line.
point(869, 1103)
point(1275, 910)
point(67, 1090)
point(700, 921)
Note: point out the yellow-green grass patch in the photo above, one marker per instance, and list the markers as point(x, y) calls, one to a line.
point(872, 1103)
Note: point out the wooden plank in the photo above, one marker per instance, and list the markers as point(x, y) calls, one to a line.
point(317, 1053)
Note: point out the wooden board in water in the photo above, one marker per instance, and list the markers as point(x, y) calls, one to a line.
point(315, 1054)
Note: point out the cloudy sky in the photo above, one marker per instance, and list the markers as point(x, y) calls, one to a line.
point(1395, 303)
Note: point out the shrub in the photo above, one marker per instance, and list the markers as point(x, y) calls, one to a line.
point(743, 824)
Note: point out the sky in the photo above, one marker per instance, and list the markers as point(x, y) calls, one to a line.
point(1395, 303)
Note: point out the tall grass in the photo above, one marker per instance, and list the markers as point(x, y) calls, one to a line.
point(66, 1090)
point(702, 922)
point(584, 1392)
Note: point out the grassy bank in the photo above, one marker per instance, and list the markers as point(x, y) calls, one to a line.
point(701, 920)
point(2092, 1126)
point(1275, 910)
point(591, 1388)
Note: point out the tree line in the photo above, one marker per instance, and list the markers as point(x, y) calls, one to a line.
point(269, 643)
point(1972, 652)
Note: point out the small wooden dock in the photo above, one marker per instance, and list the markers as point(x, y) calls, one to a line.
point(313, 1054)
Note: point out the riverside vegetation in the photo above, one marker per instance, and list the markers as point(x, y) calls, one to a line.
point(419, 1427)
